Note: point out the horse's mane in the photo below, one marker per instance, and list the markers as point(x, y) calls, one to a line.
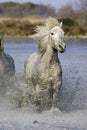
point(42, 33)
point(50, 23)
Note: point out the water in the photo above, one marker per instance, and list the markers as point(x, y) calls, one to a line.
point(20, 52)
point(72, 97)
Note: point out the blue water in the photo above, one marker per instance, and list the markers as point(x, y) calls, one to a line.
point(19, 52)
point(75, 55)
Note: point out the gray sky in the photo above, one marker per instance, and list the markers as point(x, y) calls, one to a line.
point(55, 3)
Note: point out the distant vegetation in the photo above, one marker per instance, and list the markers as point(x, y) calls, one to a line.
point(19, 20)
point(13, 9)
point(13, 28)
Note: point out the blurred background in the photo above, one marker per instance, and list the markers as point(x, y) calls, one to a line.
point(18, 18)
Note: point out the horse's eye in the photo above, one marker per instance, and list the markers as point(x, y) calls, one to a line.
point(52, 33)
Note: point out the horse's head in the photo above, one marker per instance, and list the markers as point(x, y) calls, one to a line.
point(56, 34)
point(51, 31)
point(57, 37)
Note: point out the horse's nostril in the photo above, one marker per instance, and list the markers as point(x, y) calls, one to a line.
point(60, 47)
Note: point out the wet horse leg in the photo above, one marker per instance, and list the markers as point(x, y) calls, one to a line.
point(55, 100)
point(55, 97)
point(37, 98)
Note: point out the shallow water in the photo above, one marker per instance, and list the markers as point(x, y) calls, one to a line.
point(72, 114)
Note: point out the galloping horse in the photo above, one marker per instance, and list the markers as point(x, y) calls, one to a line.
point(43, 69)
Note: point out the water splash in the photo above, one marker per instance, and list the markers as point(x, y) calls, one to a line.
point(70, 96)
point(72, 105)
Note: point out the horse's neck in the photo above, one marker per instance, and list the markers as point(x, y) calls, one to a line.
point(47, 53)
point(52, 54)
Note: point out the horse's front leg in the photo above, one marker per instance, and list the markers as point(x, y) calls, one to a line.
point(55, 99)
point(56, 90)
point(37, 98)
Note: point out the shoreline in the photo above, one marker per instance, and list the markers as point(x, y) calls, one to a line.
point(76, 37)
point(28, 37)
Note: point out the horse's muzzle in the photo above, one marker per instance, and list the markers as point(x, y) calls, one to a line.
point(62, 49)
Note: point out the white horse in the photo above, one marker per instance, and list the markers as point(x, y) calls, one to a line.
point(43, 69)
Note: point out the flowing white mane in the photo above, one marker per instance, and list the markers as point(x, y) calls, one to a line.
point(42, 31)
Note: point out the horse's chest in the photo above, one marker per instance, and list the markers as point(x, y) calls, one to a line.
point(48, 73)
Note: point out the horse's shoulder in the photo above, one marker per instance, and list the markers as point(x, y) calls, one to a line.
point(33, 55)
point(31, 59)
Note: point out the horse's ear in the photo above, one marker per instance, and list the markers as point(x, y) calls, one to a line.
point(47, 26)
point(51, 23)
point(61, 24)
